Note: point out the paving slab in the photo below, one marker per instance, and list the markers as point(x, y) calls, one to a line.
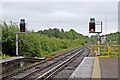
point(84, 70)
point(97, 69)
point(109, 68)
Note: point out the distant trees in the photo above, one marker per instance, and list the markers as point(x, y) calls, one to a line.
point(112, 37)
point(39, 43)
point(72, 34)
point(118, 39)
point(93, 38)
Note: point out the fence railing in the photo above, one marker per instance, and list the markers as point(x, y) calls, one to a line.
point(106, 50)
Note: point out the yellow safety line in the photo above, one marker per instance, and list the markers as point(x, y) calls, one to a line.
point(96, 72)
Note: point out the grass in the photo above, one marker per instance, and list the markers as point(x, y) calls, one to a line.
point(3, 56)
point(59, 51)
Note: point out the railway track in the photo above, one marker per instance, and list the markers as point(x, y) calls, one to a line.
point(49, 75)
point(57, 68)
point(42, 67)
point(66, 72)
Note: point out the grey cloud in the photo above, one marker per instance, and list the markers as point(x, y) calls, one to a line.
point(66, 15)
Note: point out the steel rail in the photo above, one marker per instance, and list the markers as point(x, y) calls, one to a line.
point(51, 72)
point(23, 70)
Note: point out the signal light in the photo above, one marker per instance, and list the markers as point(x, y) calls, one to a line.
point(91, 27)
point(22, 25)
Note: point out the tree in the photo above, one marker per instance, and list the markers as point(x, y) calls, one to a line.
point(38, 44)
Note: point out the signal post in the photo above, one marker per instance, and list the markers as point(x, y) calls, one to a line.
point(22, 30)
point(92, 29)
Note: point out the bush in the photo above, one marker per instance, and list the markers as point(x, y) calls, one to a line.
point(33, 44)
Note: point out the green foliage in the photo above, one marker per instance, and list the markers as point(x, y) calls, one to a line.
point(118, 40)
point(2, 56)
point(8, 38)
point(93, 38)
point(112, 38)
point(39, 43)
point(72, 35)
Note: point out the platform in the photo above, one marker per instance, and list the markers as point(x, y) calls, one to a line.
point(109, 68)
point(84, 70)
point(96, 72)
point(97, 68)
point(9, 59)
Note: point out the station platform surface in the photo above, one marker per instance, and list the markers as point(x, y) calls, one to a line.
point(97, 68)
point(109, 67)
point(84, 69)
point(10, 59)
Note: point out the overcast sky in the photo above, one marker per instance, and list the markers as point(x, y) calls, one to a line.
point(62, 15)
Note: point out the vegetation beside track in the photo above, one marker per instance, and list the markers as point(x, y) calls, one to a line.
point(39, 44)
point(3, 56)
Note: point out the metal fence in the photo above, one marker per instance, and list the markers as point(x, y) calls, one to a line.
point(106, 50)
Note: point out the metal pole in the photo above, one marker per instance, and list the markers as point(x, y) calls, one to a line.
point(16, 44)
point(101, 27)
point(98, 44)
